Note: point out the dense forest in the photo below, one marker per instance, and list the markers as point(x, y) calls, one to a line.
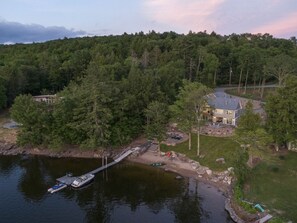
point(105, 84)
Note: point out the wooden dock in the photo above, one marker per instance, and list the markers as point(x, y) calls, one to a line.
point(68, 179)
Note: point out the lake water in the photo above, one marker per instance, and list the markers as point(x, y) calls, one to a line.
point(127, 192)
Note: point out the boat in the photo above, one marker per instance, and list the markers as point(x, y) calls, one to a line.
point(157, 164)
point(82, 180)
point(56, 188)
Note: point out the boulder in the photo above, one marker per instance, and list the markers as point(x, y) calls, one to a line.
point(209, 172)
point(220, 160)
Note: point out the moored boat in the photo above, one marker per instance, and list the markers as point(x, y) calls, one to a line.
point(57, 187)
point(82, 180)
point(157, 164)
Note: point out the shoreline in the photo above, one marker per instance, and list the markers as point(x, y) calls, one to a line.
point(180, 165)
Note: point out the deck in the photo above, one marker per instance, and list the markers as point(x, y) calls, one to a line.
point(68, 179)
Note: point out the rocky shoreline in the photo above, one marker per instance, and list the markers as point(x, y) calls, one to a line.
point(180, 165)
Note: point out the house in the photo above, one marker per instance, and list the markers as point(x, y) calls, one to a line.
point(223, 108)
point(49, 99)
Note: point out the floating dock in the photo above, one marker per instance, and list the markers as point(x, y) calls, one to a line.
point(68, 179)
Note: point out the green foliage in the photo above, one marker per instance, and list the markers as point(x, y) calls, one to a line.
point(281, 112)
point(35, 118)
point(157, 119)
point(273, 183)
point(211, 149)
point(250, 132)
point(107, 82)
point(241, 170)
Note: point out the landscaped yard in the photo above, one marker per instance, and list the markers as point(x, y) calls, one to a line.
point(273, 183)
point(252, 93)
point(211, 148)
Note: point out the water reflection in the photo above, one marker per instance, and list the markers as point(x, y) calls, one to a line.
point(7, 163)
point(125, 193)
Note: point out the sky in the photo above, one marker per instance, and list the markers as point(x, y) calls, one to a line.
point(25, 21)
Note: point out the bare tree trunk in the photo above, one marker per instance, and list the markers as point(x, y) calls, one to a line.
point(230, 75)
point(259, 85)
point(215, 78)
point(159, 148)
point(254, 86)
point(276, 147)
point(263, 86)
point(198, 139)
point(246, 78)
point(190, 141)
point(289, 145)
point(239, 82)
point(198, 68)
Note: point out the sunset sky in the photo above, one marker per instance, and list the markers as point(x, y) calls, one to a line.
point(41, 20)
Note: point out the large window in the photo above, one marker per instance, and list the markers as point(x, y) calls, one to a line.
point(229, 112)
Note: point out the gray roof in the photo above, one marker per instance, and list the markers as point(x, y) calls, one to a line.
point(222, 100)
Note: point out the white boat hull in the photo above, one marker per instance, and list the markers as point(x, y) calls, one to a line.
point(82, 180)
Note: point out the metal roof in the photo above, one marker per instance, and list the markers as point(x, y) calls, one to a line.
point(221, 100)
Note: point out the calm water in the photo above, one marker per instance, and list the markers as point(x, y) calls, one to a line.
point(125, 193)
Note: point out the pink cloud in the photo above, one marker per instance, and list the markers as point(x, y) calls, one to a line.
point(283, 27)
point(185, 15)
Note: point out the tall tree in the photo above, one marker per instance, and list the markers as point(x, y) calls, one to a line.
point(35, 118)
point(157, 119)
point(250, 132)
point(188, 108)
point(280, 67)
point(281, 113)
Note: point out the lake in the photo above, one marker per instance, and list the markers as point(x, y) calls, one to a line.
point(127, 192)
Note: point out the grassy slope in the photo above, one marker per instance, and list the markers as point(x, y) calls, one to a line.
point(274, 183)
point(211, 147)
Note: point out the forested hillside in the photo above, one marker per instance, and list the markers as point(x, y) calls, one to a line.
point(106, 83)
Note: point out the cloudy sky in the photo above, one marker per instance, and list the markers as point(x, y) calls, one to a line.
point(41, 20)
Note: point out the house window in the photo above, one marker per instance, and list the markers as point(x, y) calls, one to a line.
point(219, 111)
point(228, 112)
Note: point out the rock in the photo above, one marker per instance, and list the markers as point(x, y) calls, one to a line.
point(96, 155)
point(230, 169)
point(201, 171)
point(195, 165)
point(209, 172)
point(220, 160)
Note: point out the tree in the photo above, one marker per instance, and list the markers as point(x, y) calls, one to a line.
point(157, 119)
point(281, 113)
point(280, 67)
point(92, 115)
point(35, 118)
point(188, 108)
point(3, 98)
point(250, 133)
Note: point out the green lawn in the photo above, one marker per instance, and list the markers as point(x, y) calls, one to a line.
point(211, 147)
point(274, 184)
point(251, 93)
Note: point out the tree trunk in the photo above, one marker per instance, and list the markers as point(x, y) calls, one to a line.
point(259, 85)
point(198, 140)
point(262, 89)
point(239, 82)
point(159, 149)
point(198, 68)
point(289, 145)
point(215, 78)
point(190, 141)
point(246, 78)
point(276, 147)
point(230, 75)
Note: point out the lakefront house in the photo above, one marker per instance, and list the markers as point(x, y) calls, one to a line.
point(223, 108)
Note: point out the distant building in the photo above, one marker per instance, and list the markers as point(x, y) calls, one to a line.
point(223, 108)
point(49, 99)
